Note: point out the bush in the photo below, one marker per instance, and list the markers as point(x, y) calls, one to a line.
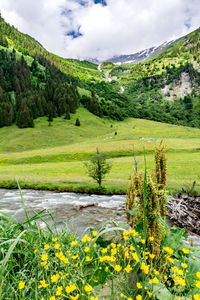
point(77, 123)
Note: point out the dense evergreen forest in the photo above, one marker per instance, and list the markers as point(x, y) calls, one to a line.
point(29, 92)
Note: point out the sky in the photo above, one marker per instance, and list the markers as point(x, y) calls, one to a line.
point(101, 28)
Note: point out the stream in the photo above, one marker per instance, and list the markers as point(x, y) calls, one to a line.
point(75, 211)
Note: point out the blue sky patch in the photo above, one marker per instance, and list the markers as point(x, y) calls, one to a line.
point(74, 33)
point(103, 2)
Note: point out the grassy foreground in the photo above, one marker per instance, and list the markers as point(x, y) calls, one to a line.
point(51, 265)
point(52, 157)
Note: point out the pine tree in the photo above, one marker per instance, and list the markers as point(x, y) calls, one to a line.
point(77, 123)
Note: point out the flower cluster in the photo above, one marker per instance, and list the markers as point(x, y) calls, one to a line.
point(74, 268)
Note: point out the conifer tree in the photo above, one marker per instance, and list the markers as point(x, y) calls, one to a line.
point(77, 123)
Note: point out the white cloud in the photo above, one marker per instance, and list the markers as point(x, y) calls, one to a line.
point(121, 27)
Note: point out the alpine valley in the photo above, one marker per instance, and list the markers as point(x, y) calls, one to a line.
point(135, 99)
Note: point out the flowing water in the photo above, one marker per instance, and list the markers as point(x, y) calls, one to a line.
point(77, 211)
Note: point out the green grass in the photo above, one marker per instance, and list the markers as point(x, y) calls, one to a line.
point(52, 157)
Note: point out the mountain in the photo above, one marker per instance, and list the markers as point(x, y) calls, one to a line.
point(137, 57)
point(140, 56)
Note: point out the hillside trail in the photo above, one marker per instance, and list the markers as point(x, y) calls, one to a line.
point(108, 78)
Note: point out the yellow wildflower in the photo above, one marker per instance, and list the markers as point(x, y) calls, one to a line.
point(168, 250)
point(179, 281)
point(113, 245)
point(35, 251)
point(86, 238)
point(44, 257)
point(184, 266)
point(74, 297)
point(138, 297)
point(128, 269)
point(88, 288)
point(151, 238)
point(57, 246)
point(59, 291)
point(149, 294)
point(43, 284)
point(88, 258)
point(114, 251)
point(121, 295)
point(54, 278)
point(143, 241)
point(54, 239)
point(135, 257)
point(127, 255)
point(52, 298)
point(94, 298)
point(94, 233)
point(21, 285)
point(144, 268)
point(198, 275)
point(118, 268)
point(87, 249)
point(133, 232)
point(152, 255)
point(171, 260)
point(47, 246)
point(139, 286)
point(66, 261)
point(185, 251)
point(154, 280)
point(104, 250)
point(70, 288)
point(44, 264)
point(197, 283)
point(196, 297)
point(177, 270)
point(74, 243)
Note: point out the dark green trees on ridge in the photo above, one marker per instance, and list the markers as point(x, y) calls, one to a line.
point(27, 93)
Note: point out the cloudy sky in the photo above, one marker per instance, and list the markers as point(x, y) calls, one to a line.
point(101, 28)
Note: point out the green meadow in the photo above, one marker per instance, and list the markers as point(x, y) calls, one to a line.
point(53, 157)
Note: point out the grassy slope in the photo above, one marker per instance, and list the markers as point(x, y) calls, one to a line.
point(52, 157)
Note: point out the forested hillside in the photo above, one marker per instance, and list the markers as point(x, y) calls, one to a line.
point(31, 91)
point(31, 86)
point(34, 83)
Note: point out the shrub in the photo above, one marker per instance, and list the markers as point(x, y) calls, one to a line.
point(77, 123)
